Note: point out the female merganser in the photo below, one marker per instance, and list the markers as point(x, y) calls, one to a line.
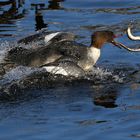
point(86, 56)
point(58, 47)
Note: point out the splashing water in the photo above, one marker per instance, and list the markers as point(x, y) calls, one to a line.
point(19, 74)
point(98, 75)
point(4, 46)
point(103, 75)
point(16, 74)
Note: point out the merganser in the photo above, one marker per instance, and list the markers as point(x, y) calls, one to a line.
point(86, 56)
point(57, 48)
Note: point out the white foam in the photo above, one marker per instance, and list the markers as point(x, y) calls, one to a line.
point(50, 36)
point(104, 74)
point(2, 55)
point(16, 74)
point(4, 47)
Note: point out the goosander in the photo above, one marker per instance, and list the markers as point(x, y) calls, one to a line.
point(86, 56)
point(59, 45)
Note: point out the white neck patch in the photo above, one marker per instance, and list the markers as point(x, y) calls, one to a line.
point(94, 54)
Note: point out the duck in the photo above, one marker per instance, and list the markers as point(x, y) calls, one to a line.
point(61, 52)
point(60, 48)
point(75, 58)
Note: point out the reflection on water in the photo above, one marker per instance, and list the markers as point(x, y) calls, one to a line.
point(55, 4)
point(39, 17)
point(28, 16)
point(105, 95)
point(13, 10)
point(130, 10)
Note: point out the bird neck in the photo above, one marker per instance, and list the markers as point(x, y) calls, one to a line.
point(94, 53)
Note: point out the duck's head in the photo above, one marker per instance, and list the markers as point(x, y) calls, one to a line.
point(99, 38)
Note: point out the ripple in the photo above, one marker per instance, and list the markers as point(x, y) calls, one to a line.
point(90, 122)
point(102, 105)
point(129, 10)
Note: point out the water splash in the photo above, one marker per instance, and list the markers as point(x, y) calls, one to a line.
point(16, 74)
point(20, 73)
point(4, 47)
point(102, 75)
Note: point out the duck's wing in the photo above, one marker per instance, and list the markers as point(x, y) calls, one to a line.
point(59, 45)
point(47, 37)
point(66, 66)
point(56, 37)
point(18, 55)
point(69, 48)
point(38, 36)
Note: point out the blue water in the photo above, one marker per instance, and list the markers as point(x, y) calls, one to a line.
point(76, 111)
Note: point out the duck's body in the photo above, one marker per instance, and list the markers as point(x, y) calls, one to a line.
point(85, 57)
point(57, 47)
point(48, 54)
point(45, 54)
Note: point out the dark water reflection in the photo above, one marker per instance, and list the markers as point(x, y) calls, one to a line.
point(77, 111)
point(55, 4)
point(14, 10)
point(66, 113)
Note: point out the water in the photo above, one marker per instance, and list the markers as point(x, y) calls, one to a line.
point(105, 107)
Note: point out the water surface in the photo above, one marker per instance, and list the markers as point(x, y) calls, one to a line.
point(109, 109)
